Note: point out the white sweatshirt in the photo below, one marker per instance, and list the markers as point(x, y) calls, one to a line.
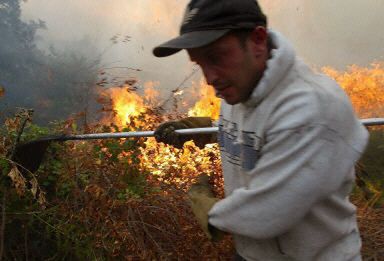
point(288, 156)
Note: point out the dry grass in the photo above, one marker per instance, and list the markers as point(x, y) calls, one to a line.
point(371, 224)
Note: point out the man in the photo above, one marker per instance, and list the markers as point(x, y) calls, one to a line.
point(289, 139)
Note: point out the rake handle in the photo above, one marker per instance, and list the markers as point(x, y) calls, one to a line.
point(210, 130)
point(137, 134)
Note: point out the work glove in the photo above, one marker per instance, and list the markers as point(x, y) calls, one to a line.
point(166, 132)
point(202, 200)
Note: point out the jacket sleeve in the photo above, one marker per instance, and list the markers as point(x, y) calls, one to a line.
point(297, 168)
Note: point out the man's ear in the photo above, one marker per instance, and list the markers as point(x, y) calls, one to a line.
point(259, 40)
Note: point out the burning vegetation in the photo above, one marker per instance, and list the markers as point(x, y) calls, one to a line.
point(125, 198)
point(364, 86)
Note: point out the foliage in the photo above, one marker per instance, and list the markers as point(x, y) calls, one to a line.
point(54, 83)
point(364, 87)
point(100, 203)
point(371, 181)
point(373, 159)
point(19, 57)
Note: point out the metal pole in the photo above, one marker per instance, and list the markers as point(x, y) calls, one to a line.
point(137, 134)
point(210, 130)
point(373, 121)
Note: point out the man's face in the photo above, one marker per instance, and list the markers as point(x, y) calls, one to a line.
point(231, 67)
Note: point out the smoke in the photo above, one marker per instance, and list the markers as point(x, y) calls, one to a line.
point(327, 32)
point(136, 26)
point(324, 32)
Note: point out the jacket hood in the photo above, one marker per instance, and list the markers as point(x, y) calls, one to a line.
point(282, 58)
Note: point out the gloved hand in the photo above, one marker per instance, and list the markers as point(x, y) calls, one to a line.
point(166, 132)
point(202, 200)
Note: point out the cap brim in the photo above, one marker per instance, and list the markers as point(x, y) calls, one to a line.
point(187, 41)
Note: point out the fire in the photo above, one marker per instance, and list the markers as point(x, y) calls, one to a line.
point(208, 105)
point(364, 86)
point(127, 105)
point(165, 162)
point(151, 94)
point(176, 166)
point(179, 167)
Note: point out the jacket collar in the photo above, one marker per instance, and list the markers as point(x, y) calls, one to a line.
point(282, 58)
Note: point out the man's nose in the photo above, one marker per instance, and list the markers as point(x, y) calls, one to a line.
point(210, 75)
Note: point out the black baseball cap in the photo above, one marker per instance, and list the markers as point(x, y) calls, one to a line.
point(205, 21)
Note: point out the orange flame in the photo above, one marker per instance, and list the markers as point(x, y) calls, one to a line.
point(364, 86)
point(127, 105)
point(208, 105)
point(129, 108)
point(151, 94)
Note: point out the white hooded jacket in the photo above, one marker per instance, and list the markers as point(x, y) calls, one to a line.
point(288, 156)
